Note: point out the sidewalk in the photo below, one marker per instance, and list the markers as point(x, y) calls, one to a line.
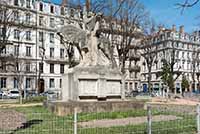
point(20, 105)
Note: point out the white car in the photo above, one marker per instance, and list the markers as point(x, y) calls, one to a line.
point(13, 94)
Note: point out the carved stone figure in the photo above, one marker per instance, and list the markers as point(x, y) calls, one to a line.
point(92, 47)
point(94, 77)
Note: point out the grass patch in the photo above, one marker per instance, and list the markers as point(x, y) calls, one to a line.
point(44, 122)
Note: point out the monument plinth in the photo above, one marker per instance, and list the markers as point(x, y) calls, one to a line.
point(92, 83)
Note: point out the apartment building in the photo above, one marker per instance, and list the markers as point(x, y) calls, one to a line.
point(186, 48)
point(34, 42)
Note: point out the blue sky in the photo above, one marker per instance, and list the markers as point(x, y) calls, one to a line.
point(165, 12)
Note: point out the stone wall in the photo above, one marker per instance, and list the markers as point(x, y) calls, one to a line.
point(66, 108)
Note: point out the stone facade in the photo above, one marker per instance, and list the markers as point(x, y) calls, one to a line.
point(186, 47)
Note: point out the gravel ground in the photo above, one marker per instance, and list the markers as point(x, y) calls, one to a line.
point(126, 121)
point(11, 120)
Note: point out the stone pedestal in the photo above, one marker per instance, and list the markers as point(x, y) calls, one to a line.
point(92, 83)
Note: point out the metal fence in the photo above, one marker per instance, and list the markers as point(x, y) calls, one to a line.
point(154, 119)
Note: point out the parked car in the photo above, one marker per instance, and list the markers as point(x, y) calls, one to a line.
point(3, 95)
point(13, 94)
point(144, 95)
point(132, 93)
point(51, 95)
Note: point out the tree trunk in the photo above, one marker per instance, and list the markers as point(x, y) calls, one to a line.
point(123, 86)
point(21, 97)
point(149, 80)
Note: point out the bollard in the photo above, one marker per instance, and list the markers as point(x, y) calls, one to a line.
point(75, 121)
point(149, 119)
point(198, 118)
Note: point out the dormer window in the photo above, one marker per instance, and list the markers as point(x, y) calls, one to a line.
point(16, 2)
point(62, 10)
point(28, 3)
point(52, 9)
point(41, 7)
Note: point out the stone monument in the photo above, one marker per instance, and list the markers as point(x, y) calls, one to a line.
point(93, 78)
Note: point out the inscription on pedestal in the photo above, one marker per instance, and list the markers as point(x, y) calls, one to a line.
point(87, 87)
point(113, 87)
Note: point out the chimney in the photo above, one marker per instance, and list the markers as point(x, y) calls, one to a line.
point(88, 4)
point(174, 28)
point(181, 29)
point(64, 3)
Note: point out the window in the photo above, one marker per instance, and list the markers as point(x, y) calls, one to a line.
point(16, 34)
point(41, 36)
point(28, 18)
point(62, 10)
point(41, 7)
point(62, 22)
point(41, 20)
point(28, 82)
point(3, 82)
point(51, 9)
point(51, 52)
point(28, 67)
point(28, 35)
point(3, 64)
point(16, 3)
point(60, 83)
point(3, 51)
point(28, 51)
point(28, 3)
point(51, 68)
point(16, 16)
point(51, 37)
point(15, 83)
point(136, 86)
point(136, 75)
point(51, 83)
point(62, 68)
point(183, 54)
point(183, 64)
point(72, 13)
point(61, 53)
point(130, 86)
point(16, 51)
point(51, 22)
point(41, 67)
point(188, 54)
point(126, 85)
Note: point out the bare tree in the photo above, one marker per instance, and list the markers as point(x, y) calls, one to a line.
point(187, 4)
point(149, 50)
point(122, 24)
point(149, 53)
point(169, 74)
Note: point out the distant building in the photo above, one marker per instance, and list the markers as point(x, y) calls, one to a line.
point(34, 41)
point(187, 61)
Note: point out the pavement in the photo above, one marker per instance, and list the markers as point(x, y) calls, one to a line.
point(180, 101)
point(11, 105)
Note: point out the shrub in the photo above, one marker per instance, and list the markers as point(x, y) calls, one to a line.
point(35, 99)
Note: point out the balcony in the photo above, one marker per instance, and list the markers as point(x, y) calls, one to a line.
point(135, 57)
point(57, 60)
point(135, 68)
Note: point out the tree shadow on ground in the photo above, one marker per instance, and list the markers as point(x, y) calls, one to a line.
point(28, 124)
